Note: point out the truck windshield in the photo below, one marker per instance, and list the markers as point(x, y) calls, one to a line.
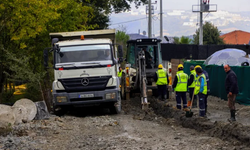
point(84, 53)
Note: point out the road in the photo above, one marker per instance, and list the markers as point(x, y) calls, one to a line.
point(133, 129)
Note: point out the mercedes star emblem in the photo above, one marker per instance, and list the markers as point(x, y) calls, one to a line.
point(85, 81)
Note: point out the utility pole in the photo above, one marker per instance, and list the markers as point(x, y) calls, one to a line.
point(149, 19)
point(203, 7)
point(201, 25)
point(161, 21)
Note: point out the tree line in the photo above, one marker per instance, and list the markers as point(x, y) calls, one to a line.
point(24, 33)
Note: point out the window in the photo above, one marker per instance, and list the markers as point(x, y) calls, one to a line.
point(131, 55)
point(84, 53)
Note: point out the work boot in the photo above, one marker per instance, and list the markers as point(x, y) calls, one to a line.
point(186, 109)
point(189, 103)
point(159, 98)
point(165, 98)
point(232, 119)
point(174, 107)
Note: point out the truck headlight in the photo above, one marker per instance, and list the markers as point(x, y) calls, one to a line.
point(110, 96)
point(61, 99)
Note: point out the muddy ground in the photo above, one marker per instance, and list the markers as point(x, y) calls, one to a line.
point(160, 127)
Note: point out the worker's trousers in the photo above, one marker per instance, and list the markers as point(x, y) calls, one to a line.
point(179, 96)
point(191, 91)
point(202, 103)
point(162, 91)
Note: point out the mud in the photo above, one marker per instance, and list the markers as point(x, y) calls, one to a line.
point(236, 132)
point(158, 128)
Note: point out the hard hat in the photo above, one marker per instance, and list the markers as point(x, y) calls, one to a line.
point(160, 66)
point(180, 66)
point(197, 66)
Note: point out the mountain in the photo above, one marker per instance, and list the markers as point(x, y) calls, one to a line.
point(180, 22)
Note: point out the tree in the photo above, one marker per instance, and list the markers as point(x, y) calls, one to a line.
point(176, 40)
point(182, 40)
point(116, 6)
point(211, 35)
point(26, 24)
point(122, 38)
point(185, 40)
point(24, 29)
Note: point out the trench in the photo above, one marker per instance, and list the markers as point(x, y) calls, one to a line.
point(236, 133)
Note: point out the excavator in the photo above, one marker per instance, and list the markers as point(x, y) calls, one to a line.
point(142, 60)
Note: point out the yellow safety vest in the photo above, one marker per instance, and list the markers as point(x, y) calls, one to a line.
point(198, 85)
point(120, 74)
point(193, 83)
point(182, 82)
point(162, 77)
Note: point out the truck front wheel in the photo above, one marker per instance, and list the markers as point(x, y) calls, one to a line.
point(59, 111)
point(116, 108)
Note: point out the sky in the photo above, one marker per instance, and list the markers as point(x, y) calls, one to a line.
point(232, 6)
point(228, 5)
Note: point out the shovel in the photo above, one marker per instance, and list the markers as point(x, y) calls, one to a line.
point(189, 113)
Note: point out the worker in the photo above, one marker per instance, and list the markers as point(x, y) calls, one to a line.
point(232, 89)
point(208, 88)
point(161, 79)
point(148, 58)
point(107, 55)
point(180, 87)
point(191, 85)
point(201, 90)
point(119, 74)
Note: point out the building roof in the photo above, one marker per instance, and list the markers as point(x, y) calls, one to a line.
point(236, 37)
point(135, 36)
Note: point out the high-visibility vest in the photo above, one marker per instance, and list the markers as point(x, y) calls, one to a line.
point(182, 82)
point(198, 85)
point(120, 74)
point(193, 83)
point(162, 77)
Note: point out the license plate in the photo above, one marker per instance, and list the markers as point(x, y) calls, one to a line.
point(86, 95)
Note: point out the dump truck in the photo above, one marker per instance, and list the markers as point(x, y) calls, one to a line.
point(142, 60)
point(85, 70)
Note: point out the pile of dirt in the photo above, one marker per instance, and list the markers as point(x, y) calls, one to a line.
point(134, 107)
point(234, 132)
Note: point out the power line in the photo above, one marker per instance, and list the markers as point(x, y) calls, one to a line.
point(128, 21)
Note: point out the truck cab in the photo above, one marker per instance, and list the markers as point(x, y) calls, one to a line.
point(85, 70)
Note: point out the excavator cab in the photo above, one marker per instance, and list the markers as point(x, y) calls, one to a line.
point(135, 64)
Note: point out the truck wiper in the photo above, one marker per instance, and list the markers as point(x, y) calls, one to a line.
point(66, 64)
point(87, 63)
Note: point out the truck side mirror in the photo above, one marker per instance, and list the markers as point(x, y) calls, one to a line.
point(120, 53)
point(45, 58)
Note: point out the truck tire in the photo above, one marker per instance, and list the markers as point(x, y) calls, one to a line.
point(59, 111)
point(116, 108)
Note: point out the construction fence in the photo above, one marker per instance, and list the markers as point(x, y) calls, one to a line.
point(217, 77)
point(189, 51)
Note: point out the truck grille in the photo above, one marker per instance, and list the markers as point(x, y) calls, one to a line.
point(85, 84)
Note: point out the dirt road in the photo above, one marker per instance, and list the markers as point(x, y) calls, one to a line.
point(92, 129)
